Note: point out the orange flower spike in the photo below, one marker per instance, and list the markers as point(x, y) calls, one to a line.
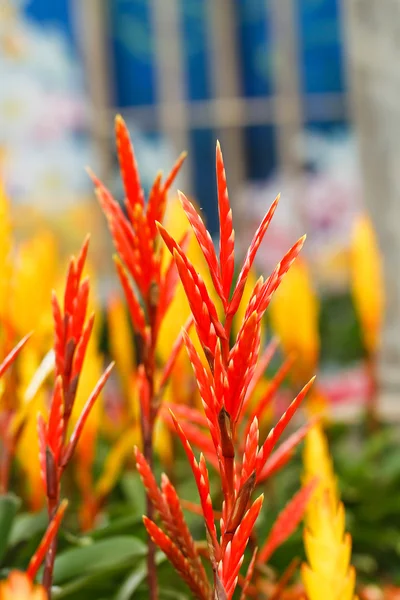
point(157, 202)
point(55, 427)
point(287, 521)
point(203, 485)
point(249, 575)
point(134, 307)
point(250, 452)
point(205, 242)
point(261, 367)
point(84, 416)
point(152, 490)
point(128, 166)
point(250, 256)
point(45, 544)
point(11, 356)
point(81, 347)
point(176, 348)
point(226, 231)
point(276, 432)
point(233, 558)
point(199, 588)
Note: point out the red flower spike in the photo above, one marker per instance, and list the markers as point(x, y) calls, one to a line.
point(291, 256)
point(186, 413)
point(221, 383)
point(152, 490)
point(174, 172)
point(79, 310)
point(59, 334)
point(249, 575)
point(42, 436)
point(251, 253)
point(168, 284)
point(189, 273)
point(227, 234)
point(128, 166)
point(145, 248)
point(233, 558)
point(55, 428)
point(144, 396)
point(205, 242)
point(204, 383)
point(202, 482)
point(71, 287)
point(284, 453)
point(46, 542)
point(287, 521)
point(81, 348)
point(176, 348)
point(69, 450)
point(199, 588)
point(81, 260)
point(186, 542)
point(10, 358)
point(261, 367)
point(279, 428)
point(153, 205)
point(250, 452)
point(240, 361)
point(273, 387)
point(135, 310)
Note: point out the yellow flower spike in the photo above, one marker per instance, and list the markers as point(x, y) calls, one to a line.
point(28, 445)
point(5, 253)
point(33, 278)
point(328, 574)
point(367, 281)
point(294, 318)
point(121, 343)
point(18, 586)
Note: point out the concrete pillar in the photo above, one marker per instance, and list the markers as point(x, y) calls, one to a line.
point(373, 33)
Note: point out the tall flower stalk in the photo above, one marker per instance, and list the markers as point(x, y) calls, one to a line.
point(148, 288)
point(57, 444)
point(328, 574)
point(228, 431)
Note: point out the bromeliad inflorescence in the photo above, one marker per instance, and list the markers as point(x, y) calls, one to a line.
point(228, 431)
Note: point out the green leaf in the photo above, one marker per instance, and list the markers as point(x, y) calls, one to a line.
point(135, 578)
point(9, 505)
point(26, 526)
point(105, 554)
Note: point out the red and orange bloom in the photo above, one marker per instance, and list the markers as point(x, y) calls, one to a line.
point(72, 334)
point(225, 384)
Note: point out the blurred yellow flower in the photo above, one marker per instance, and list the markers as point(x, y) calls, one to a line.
point(367, 281)
point(294, 318)
point(328, 574)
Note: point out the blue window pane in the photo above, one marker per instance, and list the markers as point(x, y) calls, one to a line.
point(195, 43)
point(254, 40)
point(261, 158)
point(133, 51)
point(202, 144)
point(321, 53)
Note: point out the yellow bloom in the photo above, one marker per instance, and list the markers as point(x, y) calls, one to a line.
point(294, 318)
point(18, 586)
point(328, 574)
point(367, 281)
point(5, 253)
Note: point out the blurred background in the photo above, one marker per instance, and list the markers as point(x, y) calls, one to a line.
point(301, 94)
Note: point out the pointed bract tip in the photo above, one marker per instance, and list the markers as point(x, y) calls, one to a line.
point(218, 145)
point(119, 119)
point(92, 176)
